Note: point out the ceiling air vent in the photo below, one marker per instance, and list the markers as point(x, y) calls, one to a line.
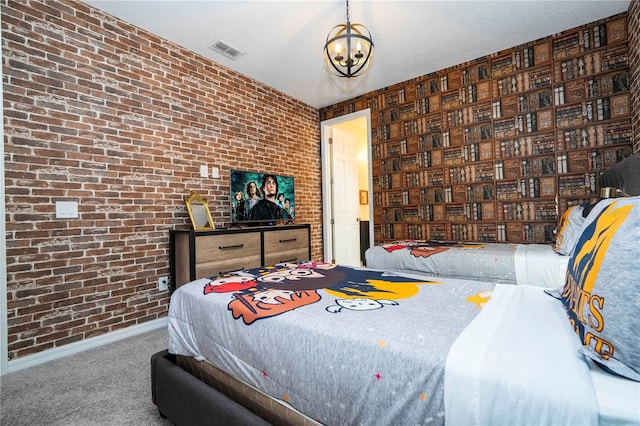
point(226, 49)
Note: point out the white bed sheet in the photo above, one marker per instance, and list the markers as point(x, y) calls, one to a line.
point(618, 398)
point(538, 265)
point(541, 377)
point(541, 371)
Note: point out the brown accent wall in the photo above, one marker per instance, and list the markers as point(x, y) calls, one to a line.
point(106, 114)
point(633, 19)
point(497, 148)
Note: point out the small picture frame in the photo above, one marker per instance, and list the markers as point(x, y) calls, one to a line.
point(199, 213)
point(364, 197)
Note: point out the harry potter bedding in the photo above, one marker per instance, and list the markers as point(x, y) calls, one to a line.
point(533, 264)
point(356, 346)
point(339, 344)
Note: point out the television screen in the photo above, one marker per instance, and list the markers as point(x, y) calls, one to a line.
point(261, 197)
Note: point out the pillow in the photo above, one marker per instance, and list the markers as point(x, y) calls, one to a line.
point(568, 230)
point(602, 287)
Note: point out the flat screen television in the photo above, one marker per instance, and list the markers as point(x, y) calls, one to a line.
point(261, 198)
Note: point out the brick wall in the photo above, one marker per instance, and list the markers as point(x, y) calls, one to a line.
point(103, 113)
point(633, 18)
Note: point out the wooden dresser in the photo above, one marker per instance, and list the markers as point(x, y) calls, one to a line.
point(201, 254)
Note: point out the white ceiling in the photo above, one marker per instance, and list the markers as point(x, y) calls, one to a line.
point(284, 40)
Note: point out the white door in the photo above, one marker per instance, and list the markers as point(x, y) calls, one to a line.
point(345, 198)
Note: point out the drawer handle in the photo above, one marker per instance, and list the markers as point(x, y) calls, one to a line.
point(290, 240)
point(288, 260)
point(233, 270)
point(237, 246)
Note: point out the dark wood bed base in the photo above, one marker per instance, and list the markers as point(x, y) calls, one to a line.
point(186, 400)
point(196, 393)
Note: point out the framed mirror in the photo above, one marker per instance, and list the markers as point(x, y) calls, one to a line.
point(199, 212)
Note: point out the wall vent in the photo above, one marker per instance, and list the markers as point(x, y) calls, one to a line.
point(226, 49)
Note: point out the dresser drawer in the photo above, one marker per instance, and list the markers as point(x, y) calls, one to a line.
point(227, 246)
point(286, 256)
point(226, 252)
point(287, 245)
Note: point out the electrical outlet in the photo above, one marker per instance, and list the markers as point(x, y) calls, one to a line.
point(163, 283)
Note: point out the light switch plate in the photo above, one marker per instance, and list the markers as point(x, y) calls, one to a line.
point(66, 209)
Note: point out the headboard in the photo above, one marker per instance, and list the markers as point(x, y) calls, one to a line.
point(625, 176)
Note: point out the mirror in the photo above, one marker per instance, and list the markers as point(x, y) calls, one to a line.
point(199, 212)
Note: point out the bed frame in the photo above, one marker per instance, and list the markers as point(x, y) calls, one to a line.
point(190, 392)
point(184, 399)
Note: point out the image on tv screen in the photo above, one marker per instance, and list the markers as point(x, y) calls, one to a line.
point(261, 197)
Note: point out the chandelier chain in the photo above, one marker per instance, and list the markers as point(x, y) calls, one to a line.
point(348, 12)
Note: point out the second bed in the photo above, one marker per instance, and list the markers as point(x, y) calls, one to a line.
point(532, 264)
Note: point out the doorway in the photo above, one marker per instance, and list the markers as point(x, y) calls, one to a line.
point(347, 187)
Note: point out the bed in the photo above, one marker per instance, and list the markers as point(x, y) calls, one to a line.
point(533, 264)
point(391, 380)
point(542, 265)
point(316, 343)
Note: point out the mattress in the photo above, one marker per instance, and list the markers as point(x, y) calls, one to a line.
point(371, 360)
point(341, 345)
point(531, 264)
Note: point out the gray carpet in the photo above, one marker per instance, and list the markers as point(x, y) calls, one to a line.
point(109, 385)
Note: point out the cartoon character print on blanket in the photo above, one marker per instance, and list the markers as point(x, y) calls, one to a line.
point(427, 248)
point(270, 291)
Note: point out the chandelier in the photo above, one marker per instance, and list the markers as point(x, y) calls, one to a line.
point(349, 48)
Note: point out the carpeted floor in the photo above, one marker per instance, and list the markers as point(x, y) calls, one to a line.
point(109, 385)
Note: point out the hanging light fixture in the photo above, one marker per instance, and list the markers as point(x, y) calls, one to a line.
point(349, 48)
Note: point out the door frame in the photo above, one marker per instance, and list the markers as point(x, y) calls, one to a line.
point(328, 230)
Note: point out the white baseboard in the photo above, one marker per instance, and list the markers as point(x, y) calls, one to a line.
point(83, 345)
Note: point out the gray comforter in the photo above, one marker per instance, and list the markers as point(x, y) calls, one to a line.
point(493, 262)
point(342, 345)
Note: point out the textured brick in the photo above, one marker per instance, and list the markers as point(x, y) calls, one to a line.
point(103, 113)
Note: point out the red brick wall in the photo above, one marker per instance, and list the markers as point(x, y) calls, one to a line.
point(103, 113)
point(633, 17)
